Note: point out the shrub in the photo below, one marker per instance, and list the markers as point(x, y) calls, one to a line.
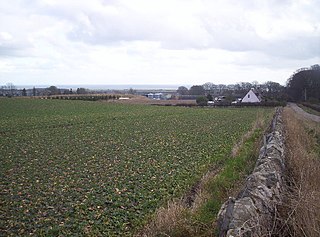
point(202, 101)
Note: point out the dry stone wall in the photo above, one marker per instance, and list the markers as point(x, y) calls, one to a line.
point(252, 212)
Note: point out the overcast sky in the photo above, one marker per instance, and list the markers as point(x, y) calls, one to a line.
point(54, 42)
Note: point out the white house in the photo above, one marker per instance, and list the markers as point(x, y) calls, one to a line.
point(251, 97)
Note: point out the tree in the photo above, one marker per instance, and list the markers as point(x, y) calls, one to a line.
point(255, 84)
point(196, 90)
point(10, 88)
point(304, 84)
point(273, 91)
point(24, 92)
point(273, 87)
point(53, 90)
point(34, 92)
point(246, 86)
point(182, 90)
point(81, 91)
point(202, 101)
point(209, 87)
point(131, 91)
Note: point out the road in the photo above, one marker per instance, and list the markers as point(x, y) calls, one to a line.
point(300, 111)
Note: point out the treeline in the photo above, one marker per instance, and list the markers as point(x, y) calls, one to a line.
point(53, 90)
point(10, 90)
point(271, 91)
point(84, 97)
point(304, 85)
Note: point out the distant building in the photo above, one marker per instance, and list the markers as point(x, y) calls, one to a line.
point(155, 96)
point(252, 97)
point(220, 98)
point(150, 95)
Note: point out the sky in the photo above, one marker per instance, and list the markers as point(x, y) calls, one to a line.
point(180, 42)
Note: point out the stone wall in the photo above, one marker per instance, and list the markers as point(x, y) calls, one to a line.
point(252, 212)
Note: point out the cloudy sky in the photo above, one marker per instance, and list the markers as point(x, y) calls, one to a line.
point(54, 42)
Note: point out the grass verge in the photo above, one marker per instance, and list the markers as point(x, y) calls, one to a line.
point(300, 213)
point(309, 110)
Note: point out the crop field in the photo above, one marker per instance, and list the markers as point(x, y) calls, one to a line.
point(82, 168)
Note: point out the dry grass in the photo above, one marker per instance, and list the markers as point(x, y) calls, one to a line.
point(300, 216)
point(167, 220)
point(175, 220)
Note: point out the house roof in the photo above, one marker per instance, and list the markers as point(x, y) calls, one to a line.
point(255, 92)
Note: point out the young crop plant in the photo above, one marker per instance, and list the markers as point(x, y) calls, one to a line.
point(71, 167)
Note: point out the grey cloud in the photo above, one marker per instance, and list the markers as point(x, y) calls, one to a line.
point(295, 47)
point(236, 35)
point(232, 35)
point(229, 31)
point(298, 48)
point(9, 51)
point(106, 30)
point(13, 49)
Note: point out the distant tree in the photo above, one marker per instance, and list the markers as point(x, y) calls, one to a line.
point(202, 101)
point(209, 87)
point(231, 87)
point(196, 90)
point(237, 87)
point(273, 87)
point(273, 91)
point(53, 90)
point(10, 88)
point(209, 97)
point(221, 87)
point(255, 84)
point(131, 91)
point(34, 92)
point(81, 91)
point(246, 86)
point(24, 92)
point(315, 67)
point(182, 90)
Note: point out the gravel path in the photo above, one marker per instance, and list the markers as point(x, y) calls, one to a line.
point(298, 110)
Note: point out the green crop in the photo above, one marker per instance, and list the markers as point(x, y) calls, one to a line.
point(88, 168)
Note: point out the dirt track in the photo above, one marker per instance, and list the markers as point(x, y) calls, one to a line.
point(306, 115)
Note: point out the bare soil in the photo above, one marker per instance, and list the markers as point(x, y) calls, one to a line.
point(147, 101)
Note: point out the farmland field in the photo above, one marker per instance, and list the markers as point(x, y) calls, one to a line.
point(89, 168)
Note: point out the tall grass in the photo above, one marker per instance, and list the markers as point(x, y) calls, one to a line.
point(300, 214)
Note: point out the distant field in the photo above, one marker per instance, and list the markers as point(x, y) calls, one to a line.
point(89, 168)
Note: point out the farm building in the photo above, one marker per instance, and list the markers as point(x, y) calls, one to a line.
point(155, 96)
point(252, 97)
